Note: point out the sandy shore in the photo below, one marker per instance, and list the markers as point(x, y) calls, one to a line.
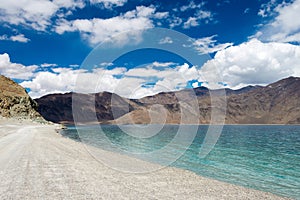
point(38, 163)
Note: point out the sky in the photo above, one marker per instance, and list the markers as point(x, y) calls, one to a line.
point(58, 46)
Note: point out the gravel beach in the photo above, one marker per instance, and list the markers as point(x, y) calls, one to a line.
point(38, 163)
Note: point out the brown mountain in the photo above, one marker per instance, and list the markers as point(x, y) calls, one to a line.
point(277, 103)
point(58, 107)
point(15, 102)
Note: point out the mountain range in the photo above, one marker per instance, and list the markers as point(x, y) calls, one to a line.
point(276, 103)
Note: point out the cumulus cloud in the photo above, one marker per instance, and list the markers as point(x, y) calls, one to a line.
point(161, 78)
point(140, 11)
point(15, 38)
point(209, 45)
point(119, 30)
point(63, 80)
point(168, 79)
point(253, 63)
point(15, 70)
point(38, 14)
point(284, 27)
point(250, 63)
point(35, 14)
point(286, 22)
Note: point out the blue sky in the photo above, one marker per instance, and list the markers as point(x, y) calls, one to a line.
point(43, 43)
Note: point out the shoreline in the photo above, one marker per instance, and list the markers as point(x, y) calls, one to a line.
point(95, 123)
point(37, 162)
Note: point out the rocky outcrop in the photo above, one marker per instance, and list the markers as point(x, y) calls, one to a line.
point(15, 102)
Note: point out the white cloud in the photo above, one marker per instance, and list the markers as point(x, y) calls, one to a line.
point(67, 79)
point(148, 12)
point(160, 15)
point(48, 65)
point(256, 35)
point(175, 21)
point(63, 80)
point(15, 38)
point(209, 45)
point(163, 64)
point(109, 3)
point(195, 84)
point(166, 40)
point(71, 4)
point(267, 9)
point(191, 22)
point(19, 38)
point(191, 6)
point(74, 65)
point(203, 14)
point(143, 11)
point(152, 70)
point(143, 72)
point(284, 27)
point(119, 29)
point(62, 26)
point(169, 79)
point(35, 14)
point(253, 63)
point(106, 64)
point(196, 12)
point(38, 14)
point(200, 15)
point(15, 70)
point(286, 22)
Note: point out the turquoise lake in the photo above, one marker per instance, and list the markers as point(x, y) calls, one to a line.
point(263, 157)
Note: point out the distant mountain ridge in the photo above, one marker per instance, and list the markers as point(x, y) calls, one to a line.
point(276, 103)
point(15, 102)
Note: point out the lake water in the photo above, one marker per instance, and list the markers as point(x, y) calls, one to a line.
point(263, 157)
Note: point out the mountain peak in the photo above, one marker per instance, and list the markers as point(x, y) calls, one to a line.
point(286, 81)
point(10, 88)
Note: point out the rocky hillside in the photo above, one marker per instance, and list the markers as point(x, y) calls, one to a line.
point(277, 103)
point(58, 107)
point(15, 102)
